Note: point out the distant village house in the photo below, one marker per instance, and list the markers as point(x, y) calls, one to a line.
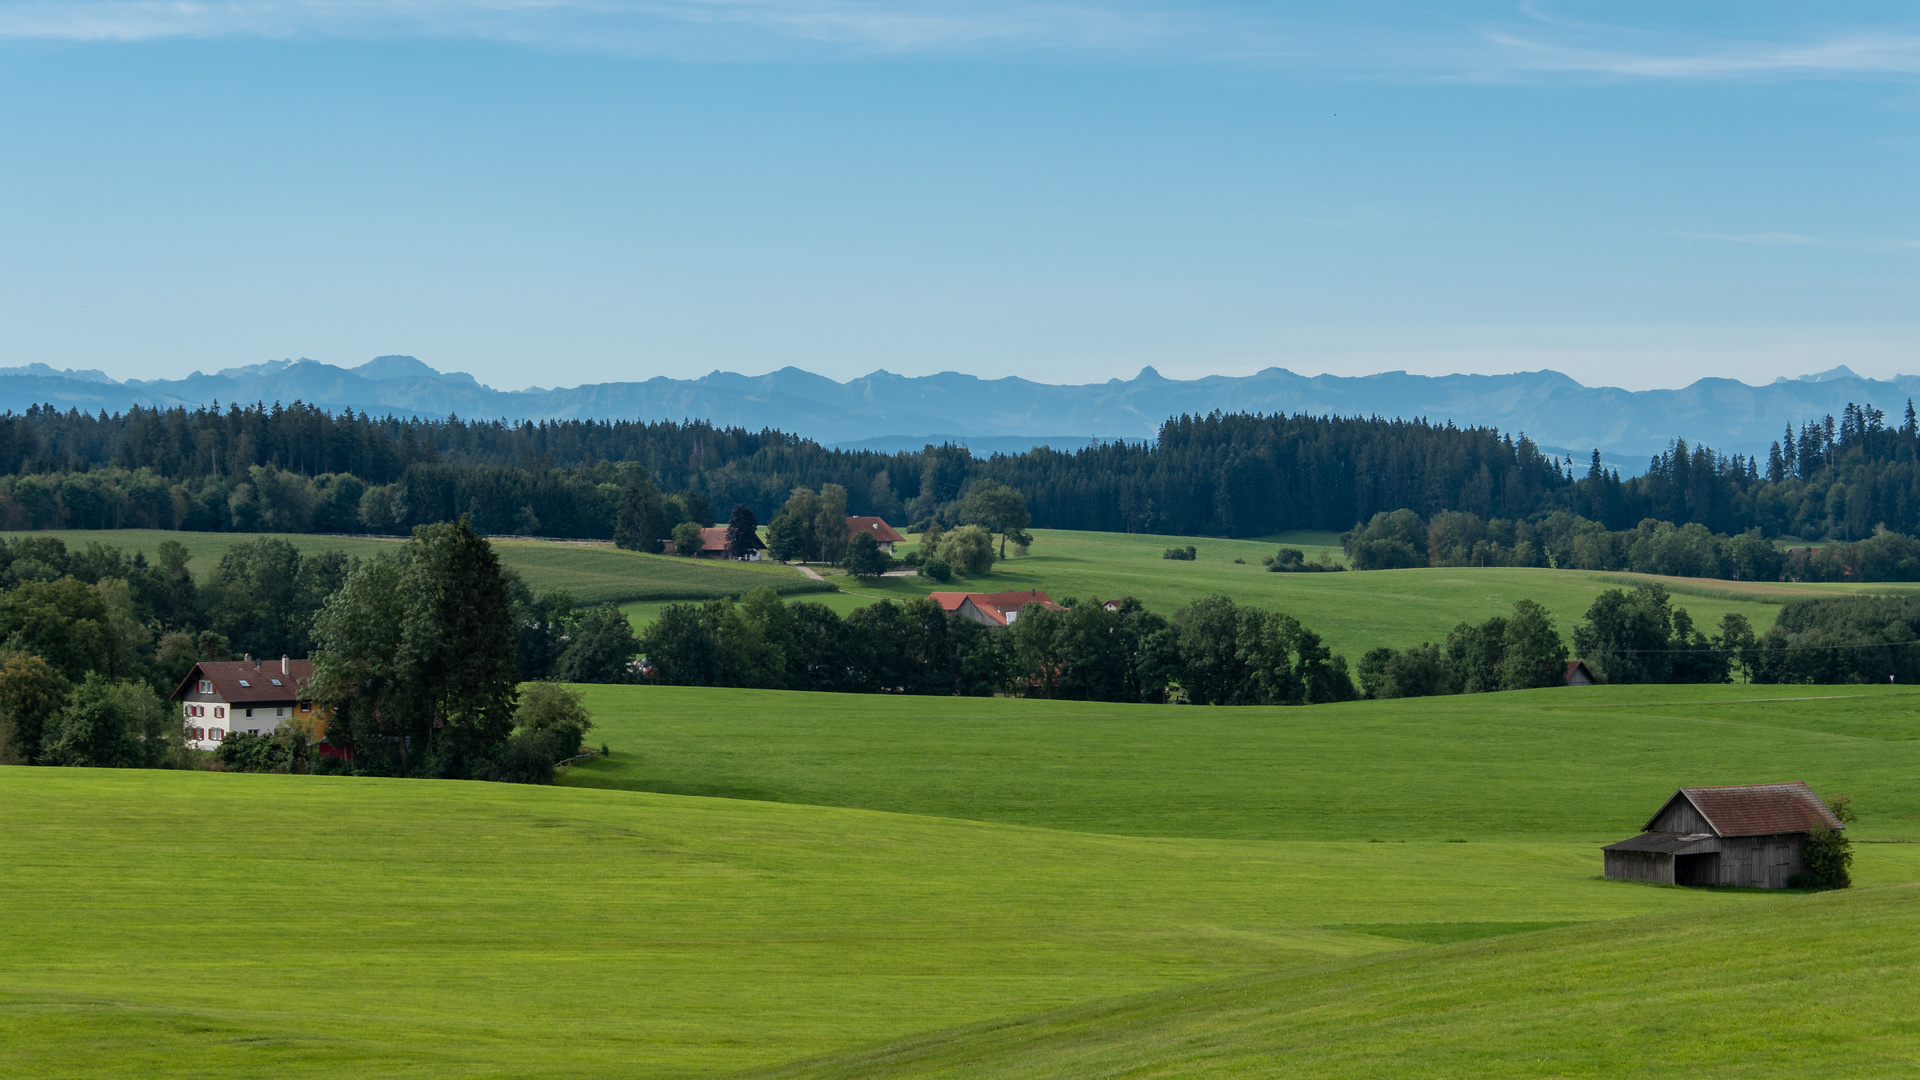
point(883, 533)
point(1753, 835)
point(992, 609)
point(218, 698)
point(713, 545)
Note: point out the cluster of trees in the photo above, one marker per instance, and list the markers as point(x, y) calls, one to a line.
point(1560, 539)
point(1518, 653)
point(966, 550)
point(1633, 636)
point(92, 642)
point(1841, 639)
point(1213, 652)
point(415, 667)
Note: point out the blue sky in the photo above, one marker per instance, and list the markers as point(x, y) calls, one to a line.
point(553, 192)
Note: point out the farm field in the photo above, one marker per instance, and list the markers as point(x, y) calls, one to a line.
point(1584, 764)
point(594, 572)
point(1816, 986)
point(946, 887)
point(1352, 611)
point(423, 928)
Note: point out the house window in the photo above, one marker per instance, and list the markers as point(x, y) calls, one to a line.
point(246, 684)
point(249, 714)
point(216, 734)
point(206, 686)
point(280, 711)
point(306, 706)
point(199, 733)
point(219, 711)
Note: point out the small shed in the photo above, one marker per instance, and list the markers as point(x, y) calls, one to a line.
point(1753, 835)
point(1578, 674)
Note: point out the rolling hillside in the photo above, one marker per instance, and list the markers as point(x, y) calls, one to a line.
point(946, 887)
point(595, 573)
point(1810, 987)
point(1352, 611)
point(1581, 765)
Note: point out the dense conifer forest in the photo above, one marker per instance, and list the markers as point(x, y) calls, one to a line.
point(298, 468)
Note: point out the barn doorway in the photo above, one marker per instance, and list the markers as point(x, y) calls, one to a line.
point(1702, 869)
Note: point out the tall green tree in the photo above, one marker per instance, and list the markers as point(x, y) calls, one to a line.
point(743, 532)
point(1532, 654)
point(864, 559)
point(1627, 635)
point(830, 523)
point(415, 656)
point(999, 508)
point(31, 692)
point(602, 649)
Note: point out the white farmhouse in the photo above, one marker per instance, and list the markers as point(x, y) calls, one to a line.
point(220, 697)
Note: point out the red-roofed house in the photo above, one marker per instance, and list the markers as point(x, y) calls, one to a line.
point(1751, 834)
point(713, 545)
point(992, 609)
point(883, 533)
point(222, 696)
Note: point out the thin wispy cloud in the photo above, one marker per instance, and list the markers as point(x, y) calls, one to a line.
point(1470, 39)
point(1866, 53)
point(1794, 239)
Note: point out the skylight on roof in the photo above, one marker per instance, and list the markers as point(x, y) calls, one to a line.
point(246, 684)
point(275, 682)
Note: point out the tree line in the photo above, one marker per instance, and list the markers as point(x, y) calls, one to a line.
point(1213, 652)
point(300, 468)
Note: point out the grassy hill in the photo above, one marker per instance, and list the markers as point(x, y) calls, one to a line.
point(195, 924)
point(1581, 764)
point(1352, 611)
point(988, 888)
point(1817, 986)
point(594, 572)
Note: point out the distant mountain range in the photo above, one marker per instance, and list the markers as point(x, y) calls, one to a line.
point(883, 411)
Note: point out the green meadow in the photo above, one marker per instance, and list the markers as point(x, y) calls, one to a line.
point(1573, 764)
point(1352, 611)
point(594, 572)
point(839, 886)
point(1809, 987)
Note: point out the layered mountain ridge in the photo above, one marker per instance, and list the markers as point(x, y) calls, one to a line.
point(884, 411)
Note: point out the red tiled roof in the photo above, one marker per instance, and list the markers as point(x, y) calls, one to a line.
point(1757, 809)
point(994, 605)
point(881, 531)
point(714, 539)
point(259, 677)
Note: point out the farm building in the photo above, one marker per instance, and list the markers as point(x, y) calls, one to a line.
point(1753, 835)
point(713, 545)
point(1578, 674)
point(883, 533)
point(991, 609)
point(219, 697)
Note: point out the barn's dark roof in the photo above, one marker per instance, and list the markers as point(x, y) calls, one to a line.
point(1756, 809)
point(262, 678)
point(1664, 842)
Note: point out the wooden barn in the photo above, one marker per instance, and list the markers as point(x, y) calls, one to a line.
point(1751, 834)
